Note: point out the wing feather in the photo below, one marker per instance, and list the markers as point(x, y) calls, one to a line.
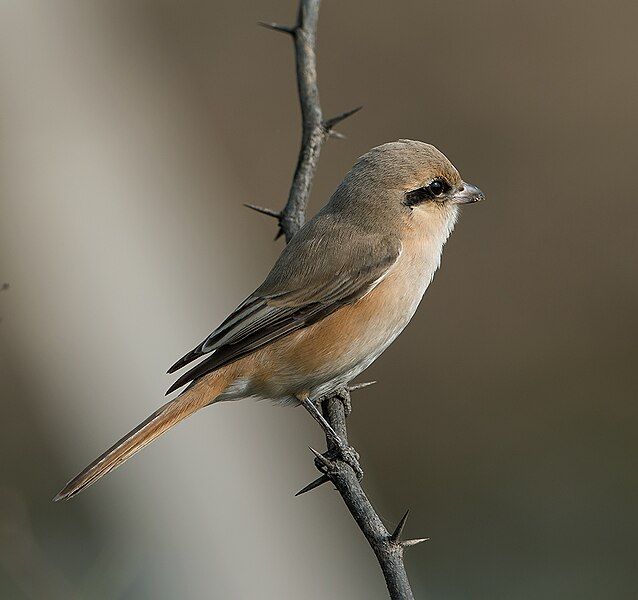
point(312, 278)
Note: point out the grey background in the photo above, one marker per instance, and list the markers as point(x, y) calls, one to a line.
point(505, 416)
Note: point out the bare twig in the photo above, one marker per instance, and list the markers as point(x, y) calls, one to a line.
point(387, 547)
point(315, 130)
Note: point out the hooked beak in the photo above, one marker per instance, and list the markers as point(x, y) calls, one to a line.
point(467, 194)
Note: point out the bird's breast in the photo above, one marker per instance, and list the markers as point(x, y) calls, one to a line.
point(346, 342)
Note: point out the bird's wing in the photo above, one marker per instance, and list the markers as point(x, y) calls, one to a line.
point(315, 275)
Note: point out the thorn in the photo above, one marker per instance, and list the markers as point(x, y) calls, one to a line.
point(328, 124)
point(320, 458)
point(269, 212)
point(313, 484)
point(277, 27)
point(264, 211)
point(399, 529)
point(337, 135)
point(408, 543)
point(360, 386)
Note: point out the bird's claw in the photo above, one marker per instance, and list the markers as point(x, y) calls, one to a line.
point(350, 456)
point(344, 453)
point(342, 394)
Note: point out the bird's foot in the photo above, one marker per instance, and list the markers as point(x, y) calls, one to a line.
point(347, 454)
point(343, 395)
point(326, 463)
point(339, 449)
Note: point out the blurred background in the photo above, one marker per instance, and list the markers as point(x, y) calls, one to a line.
point(505, 417)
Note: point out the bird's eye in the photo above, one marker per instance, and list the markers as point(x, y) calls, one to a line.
point(430, 192)
point(437, 187)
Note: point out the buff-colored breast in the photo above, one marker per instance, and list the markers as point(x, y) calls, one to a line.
point(343, 344)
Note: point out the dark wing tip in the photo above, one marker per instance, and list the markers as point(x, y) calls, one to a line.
point(214, 361)
point(178, 384)
point(182, 362)
point(187, 377)
point(192, 355)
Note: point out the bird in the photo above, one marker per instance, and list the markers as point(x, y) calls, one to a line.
point(342, 290)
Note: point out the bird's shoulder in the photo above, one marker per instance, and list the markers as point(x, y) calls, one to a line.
point(326, 249)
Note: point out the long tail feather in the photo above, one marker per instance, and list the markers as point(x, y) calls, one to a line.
point(191, 400)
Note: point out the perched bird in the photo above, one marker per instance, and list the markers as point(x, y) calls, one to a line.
point(341, 291)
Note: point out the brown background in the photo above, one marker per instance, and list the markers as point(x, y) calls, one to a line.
point(505, 417)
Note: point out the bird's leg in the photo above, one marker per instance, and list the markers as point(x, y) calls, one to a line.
point(315, 413)
point(338, 447)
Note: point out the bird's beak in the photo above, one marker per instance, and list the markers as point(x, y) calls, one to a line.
point(467, 194)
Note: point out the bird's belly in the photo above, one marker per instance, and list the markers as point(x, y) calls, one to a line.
point(339, 347)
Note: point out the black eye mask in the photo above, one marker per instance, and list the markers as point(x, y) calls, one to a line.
point(432, 191)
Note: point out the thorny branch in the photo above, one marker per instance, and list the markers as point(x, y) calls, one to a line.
point(388, 547)
point(315, 130)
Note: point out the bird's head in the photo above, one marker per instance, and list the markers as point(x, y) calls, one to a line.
point(407, 180)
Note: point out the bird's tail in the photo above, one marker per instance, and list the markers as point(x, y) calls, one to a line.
point(200, 394)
